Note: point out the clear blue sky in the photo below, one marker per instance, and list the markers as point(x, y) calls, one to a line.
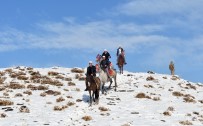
point(69, 33)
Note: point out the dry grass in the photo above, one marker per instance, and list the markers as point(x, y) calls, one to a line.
point(18, 95)
point(34, 73)
point(189, 100)
point(87, 118)
point(71, 84)
point(150, 78)
point(60, 77)
point(2, 88)
point(40, 87)
point(103, 109)
point(30, 68)
point(69, 96)
point(2, 73)
point(43, 94)
point(77, 70)
point(142, 95)
point(3, 115)
point(16, 86)
point(201, 101)
point(164, 77)
point(51, 92)
point(68, 79)
point(22, 77)
point(8, 71)
point(51, 82)
point(177, 94)
point(60, 99)
point(167, 113)
point(70, 103)
point(77, 76)
point(5, 102)
point(175, 78)
point(28, 92)
point(82, 78)
point(2, 79)
point(60, 108)
point(32, 87)
point(52, 73)
point(191, 86)
point(185, 122)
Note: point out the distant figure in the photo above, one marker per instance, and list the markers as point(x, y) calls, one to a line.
point(91, 71)
point(172, 68)
point(120, 51)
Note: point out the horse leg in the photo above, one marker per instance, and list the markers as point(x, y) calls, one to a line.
point(103, 88)
point(115, 83)
point(110, 84)
point(122, 69)
point(97, 96)
point(90, 97)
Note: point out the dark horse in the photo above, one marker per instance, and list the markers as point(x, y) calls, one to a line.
point(121, 62)
point(93, 88)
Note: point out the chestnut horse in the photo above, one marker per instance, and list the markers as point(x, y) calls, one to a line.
point(121, 62)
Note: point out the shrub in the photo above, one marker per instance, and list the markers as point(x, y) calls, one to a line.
point(150, 78)
point(71, 84)
point(28, 92)
point(60, 99)
point(5, 102)
point(77, 70)
point(87, 118)
point(52, 73)
point(178, 94)
point(16, 86)
point(167, 113)
point(103, 109)
point(185, 122)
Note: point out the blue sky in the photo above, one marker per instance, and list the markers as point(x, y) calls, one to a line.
point(69, 33)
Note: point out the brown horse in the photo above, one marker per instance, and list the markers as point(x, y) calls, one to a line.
point(93, 88)
point(121, 62)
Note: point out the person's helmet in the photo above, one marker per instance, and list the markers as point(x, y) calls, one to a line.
point(90, 62)
point(105, 49)
point(119, 46)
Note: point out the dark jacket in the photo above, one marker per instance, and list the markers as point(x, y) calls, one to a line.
point(118, 51)
point(107, 55)
point(104, 64)
point(91, 70)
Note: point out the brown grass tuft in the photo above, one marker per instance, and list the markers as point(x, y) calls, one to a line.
point(71, 84)
point(189, 100)
point(142, 95)
point(24, 109)
point(51, 92)
point(51, 82)
point(156, 99)
point(191, 86)
point(150, 78)
point(178, 94)
point(103, 109)
point(16, 86)
point(43, 94)
point(2, 79)
point(167, 113)
point(77, 70)
point(60, 108)
point(60, 77)
point(28, 92)
point(185, 122)
point(170, 108)
point(68, 79)
point(5, 102)
point(60, 99)
point(22, 77)
point(148, 86)
point(18, 95)
point(3, 115)
point(70, 103)
point(52, 73)
point(87, 118)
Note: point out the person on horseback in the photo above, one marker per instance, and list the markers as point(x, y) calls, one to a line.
point(120, 51)
point(91, 71)
point(105, 65)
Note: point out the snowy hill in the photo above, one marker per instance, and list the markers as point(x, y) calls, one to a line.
point(56, 97)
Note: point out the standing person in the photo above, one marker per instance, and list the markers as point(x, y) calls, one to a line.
point(91, 71)
point(120, 51)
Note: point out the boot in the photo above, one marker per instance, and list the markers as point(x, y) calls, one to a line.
point(86, 87)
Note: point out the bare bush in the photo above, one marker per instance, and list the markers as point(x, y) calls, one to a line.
point(71, 84)
point(68, 79)
point(156, 99)
point(175, 78)
point(28, 92)
point(150, 78)
point(87, 118)
point(60, 99)
point(103, 109)
point(24, 109)
point(77, 70)
point(32, 87)
point(167, 113)
point(40, 87)
point(170, 108)
point(189, 100)
point(178, 94)
point(51, 82)
point(8, 71)
point(2, 88)
point(191, 86)
point(18, 95)
point(51, 92)
point(5, 102)
point(185, 122)
point(60, 108)
point(148, 86)
point(3, 115)
point(70, 103)
point(60, 77)
point(2, 73)
point(29, 68)
point(22, 77)
point(52, 73)
point(142, 95)
point(16, 86)
point(2, 79)
point(43, 94)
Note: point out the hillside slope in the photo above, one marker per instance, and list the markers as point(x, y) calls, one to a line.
point(56, 97)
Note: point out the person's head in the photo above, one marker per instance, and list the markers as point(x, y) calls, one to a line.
point(105, 50)
point(103, 57)
point(90, 63)
point(119, 46)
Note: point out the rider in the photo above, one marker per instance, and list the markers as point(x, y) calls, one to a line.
point(120, 51)
point(91, 71)
point(105, 65)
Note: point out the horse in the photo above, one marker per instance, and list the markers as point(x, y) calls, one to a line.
point(121, 62)
point(103, 76)
point(93, 88)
